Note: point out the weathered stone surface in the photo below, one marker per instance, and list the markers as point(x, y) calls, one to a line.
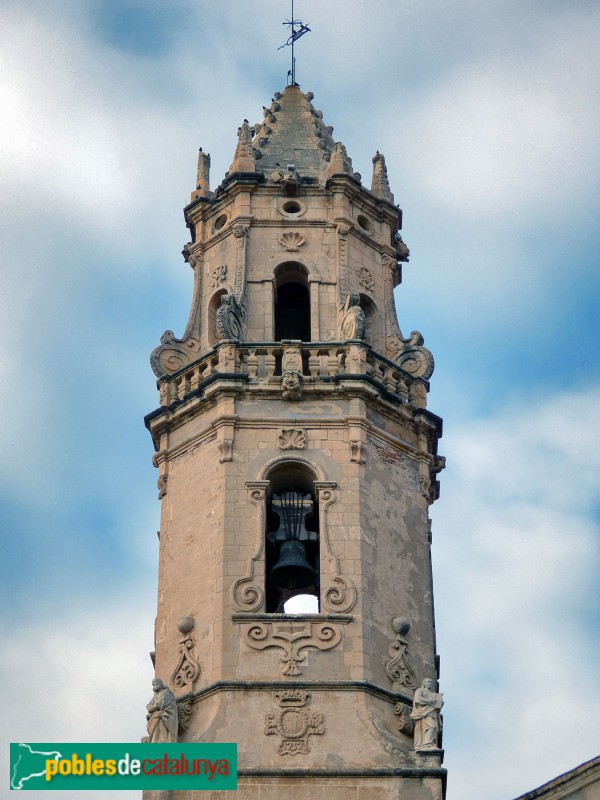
point(335, 409)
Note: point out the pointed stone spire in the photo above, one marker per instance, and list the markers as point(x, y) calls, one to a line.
point(203, 179)
point(380, 186)
point(339, 163)
point(293, 133)
point(243, 159)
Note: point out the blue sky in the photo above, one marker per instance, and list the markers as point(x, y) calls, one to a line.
point(488, 115)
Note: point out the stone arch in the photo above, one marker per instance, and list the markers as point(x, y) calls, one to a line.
point(373, 323)
point(267, 469)
point(291, 311)
point(213, 306)
point(292, 540)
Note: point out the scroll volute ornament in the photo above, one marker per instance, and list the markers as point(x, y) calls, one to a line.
point(340, 595)
point(247, 593)
point(187, 670)
point(397, 667)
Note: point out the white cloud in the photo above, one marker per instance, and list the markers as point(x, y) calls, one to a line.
point(487, 114)
point(85, 677)
point(516, 560)
point(515, 134)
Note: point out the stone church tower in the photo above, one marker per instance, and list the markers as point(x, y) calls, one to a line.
point(296, 456)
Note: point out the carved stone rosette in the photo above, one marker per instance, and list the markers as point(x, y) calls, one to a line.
point(293, 722)
point(293, 638)
point(365, 278)
point(218, 276)
point(397, 668)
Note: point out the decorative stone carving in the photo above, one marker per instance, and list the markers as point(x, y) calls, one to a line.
point(365, 278)
point(227, 358)
point(246, 593)
point(291, 360)
point(225, 448)
point(426, 716)
point(241, 233)
point(169, 356)
point(291, 439)
point(339, 597)
point(402, 251)
point(161, 484)
point(291, 241)
point(229, 318)
point(356, 360)
point(291, 386)
point(291, 368)
point(397, 668)
point(188, 669)
point(357, 452)
point(184, 712)
point(293, 638)
point(353, 318)
point(417, 393)
point(412, 356)
point(218, 276)
point(405, 721)
point(293, 723)
point(162, 715)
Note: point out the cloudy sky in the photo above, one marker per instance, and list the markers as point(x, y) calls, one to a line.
point(488, 114)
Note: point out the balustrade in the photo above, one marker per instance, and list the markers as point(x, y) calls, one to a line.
point(262, 362)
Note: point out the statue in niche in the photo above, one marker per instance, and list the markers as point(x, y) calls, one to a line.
point(426, 716)
point(162, 716)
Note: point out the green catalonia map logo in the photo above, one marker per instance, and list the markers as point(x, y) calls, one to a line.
point(123, 766)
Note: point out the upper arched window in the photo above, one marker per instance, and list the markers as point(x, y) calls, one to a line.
point(292, 303)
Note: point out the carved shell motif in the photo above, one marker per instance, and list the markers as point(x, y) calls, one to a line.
point(291, 241)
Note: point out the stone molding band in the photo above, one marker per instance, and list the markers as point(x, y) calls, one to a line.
point(333, 772)
point(323, 686)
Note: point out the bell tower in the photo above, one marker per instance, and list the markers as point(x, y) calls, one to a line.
point(296, 456)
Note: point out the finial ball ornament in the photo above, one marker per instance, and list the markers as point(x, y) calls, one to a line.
point(400, 626)
point(186, 624)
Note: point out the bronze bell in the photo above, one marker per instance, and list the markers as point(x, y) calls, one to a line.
point(292, 570)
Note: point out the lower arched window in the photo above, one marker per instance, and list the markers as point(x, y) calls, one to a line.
point(292, 565)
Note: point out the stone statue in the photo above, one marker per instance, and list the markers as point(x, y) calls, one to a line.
point(162, 714)
point(426, 715)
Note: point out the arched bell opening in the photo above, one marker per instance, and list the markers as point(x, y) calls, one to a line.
point(213, 306)
point(292, 302)
point(292, 564)
point(373, 332)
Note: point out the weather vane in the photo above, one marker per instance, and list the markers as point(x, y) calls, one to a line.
point(298, 30)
